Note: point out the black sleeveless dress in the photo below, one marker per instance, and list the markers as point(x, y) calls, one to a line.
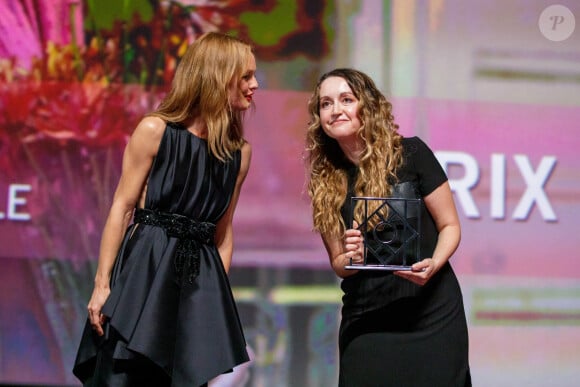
point(396, 333)
point(173, 331)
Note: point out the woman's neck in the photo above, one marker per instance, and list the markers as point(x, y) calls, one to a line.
point(198, 127)
point(352, 150)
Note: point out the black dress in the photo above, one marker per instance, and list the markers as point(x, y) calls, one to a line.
point(167, 328)
point(396, 333)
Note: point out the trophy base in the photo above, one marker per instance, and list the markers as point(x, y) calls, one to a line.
point(378, 267)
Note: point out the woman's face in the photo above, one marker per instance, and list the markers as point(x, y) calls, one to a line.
point(338, 109)
point(242, 91)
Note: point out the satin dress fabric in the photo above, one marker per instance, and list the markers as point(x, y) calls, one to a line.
point(179, 332)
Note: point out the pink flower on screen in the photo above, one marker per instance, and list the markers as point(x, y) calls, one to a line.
point(26, 26)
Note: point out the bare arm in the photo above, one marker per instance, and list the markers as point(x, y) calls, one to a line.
point(224, 231)
point(342, 250)
point(137, 159)
point(441, 206)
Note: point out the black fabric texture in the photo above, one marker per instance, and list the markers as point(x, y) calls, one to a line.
point(396, 333)
point(188, 329)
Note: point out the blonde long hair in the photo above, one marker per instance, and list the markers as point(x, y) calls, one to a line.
point(200, 89)
point(327, 165)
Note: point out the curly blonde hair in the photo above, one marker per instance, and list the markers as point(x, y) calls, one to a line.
point(200, 89)
point(327, 165)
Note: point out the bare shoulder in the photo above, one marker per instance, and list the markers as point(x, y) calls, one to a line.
point(152, 127)
point(246, 159)
point(148, 134)
point(246, 151)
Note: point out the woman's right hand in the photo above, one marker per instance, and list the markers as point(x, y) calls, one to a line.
point(96, 318)
point(353, 245)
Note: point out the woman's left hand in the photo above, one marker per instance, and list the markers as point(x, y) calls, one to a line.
point(420, 272)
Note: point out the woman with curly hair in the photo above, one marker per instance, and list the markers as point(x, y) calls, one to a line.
point(402, 327)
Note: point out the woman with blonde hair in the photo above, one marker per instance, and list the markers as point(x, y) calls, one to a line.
point(402, 327)
point(162, 311)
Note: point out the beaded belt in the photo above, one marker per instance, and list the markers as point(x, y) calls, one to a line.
point(190, 234)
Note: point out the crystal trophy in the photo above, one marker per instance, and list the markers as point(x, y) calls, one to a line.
point(391, 230)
